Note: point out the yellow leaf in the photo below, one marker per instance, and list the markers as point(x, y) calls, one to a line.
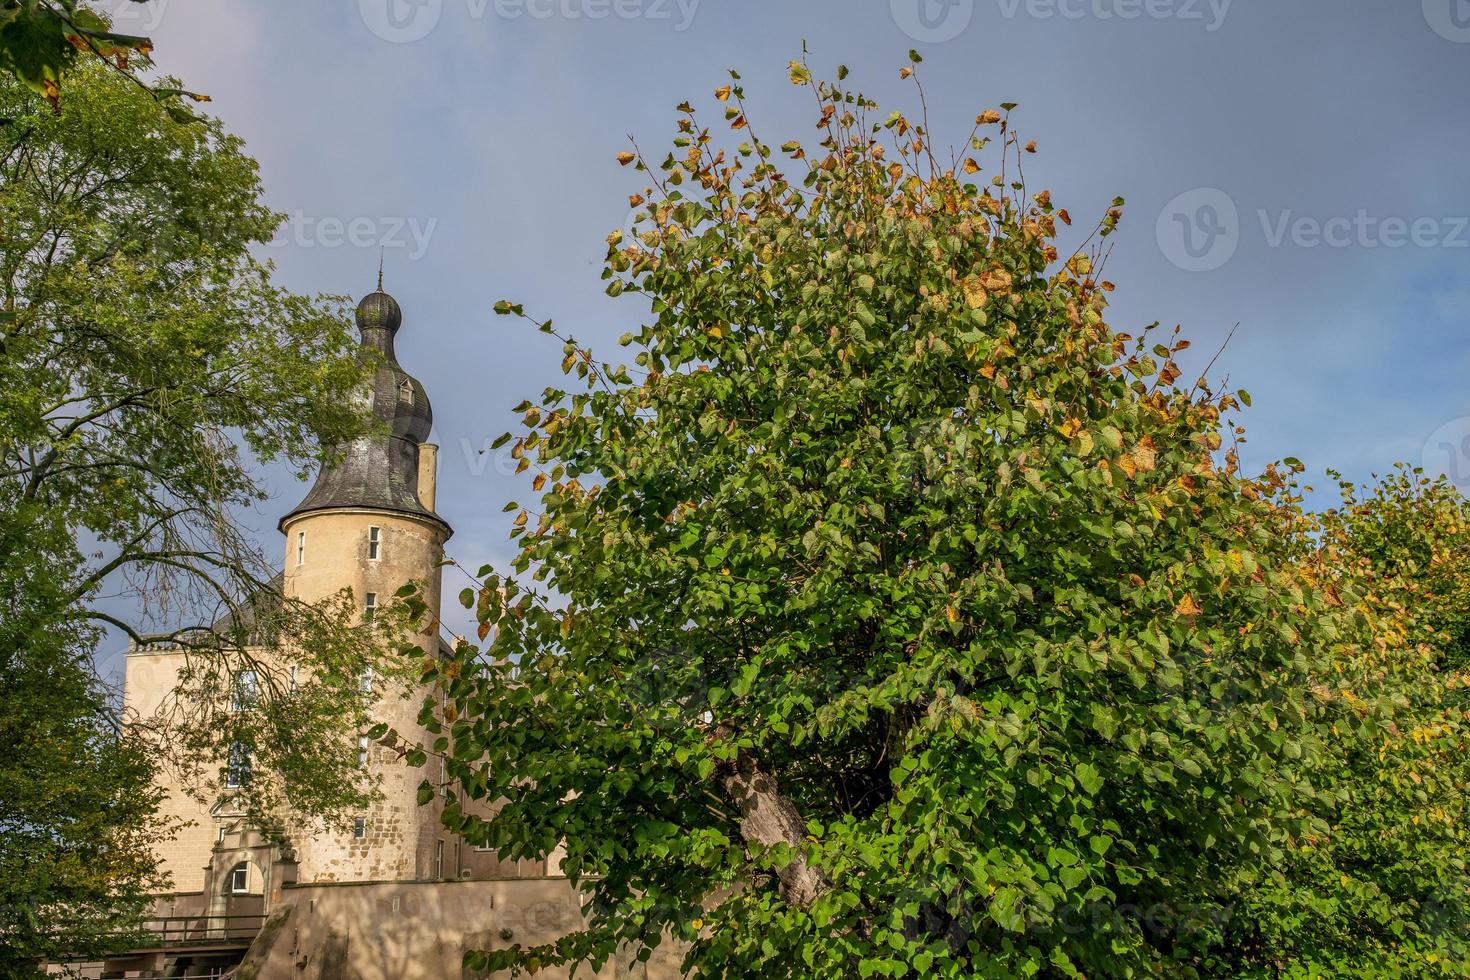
point(971, 167)
point(952, 614)
point(987, 118)
point(1187, 606)
point(539, 482)
point(975, 294)
point(520, 520)
point(1144, 455)
point(722, 93)
point(626, 158)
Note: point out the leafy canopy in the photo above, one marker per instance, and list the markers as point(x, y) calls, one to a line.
point(891, 614)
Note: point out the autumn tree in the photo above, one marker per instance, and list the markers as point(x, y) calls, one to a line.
point(1383, 889)
point(891, 613)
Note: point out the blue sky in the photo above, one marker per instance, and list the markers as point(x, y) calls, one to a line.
point(1298, 167)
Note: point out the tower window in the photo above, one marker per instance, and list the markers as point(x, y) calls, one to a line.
point(369, 606)
point(365, 681)
point(239, 880)
point(375, 541)
point(359, 828)
point(405, 392)
point(301, 547)
point(362, 751)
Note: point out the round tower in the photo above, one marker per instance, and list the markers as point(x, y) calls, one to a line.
point(369, 524)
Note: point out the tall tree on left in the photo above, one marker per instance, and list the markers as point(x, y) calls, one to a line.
point(148, 366)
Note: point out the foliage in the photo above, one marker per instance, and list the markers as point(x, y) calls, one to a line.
point(1385, 891)
point(893, 615)
point(148, 366)
point(77, 807)
point(41, 39)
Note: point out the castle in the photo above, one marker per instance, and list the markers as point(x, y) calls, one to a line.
point(395, 895)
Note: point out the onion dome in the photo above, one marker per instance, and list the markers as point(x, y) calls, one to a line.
point(380, 470)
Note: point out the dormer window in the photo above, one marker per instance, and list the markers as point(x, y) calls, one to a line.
point(405, 392)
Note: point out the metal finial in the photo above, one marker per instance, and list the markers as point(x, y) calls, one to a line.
point(380, 268)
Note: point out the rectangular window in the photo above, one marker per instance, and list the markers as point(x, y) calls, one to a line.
point(301, 547)
point(220, 835)
point(240, 879)
point(247, 690)
point(369, 606)
point(237, 772)
point(362, 751)
point(365, 681)
point(375, 540)
point(439, 861)
point(359, 828)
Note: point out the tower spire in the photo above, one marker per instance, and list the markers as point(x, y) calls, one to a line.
point(380, 267)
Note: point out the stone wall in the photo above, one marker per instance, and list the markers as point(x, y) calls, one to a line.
point(151, 677)
point(414, 930)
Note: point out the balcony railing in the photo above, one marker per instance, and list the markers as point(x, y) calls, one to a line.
point(203, 930)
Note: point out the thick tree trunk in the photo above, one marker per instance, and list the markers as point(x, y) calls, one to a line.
point(770, 818)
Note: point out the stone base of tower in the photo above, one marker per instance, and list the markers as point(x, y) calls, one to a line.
point(411, 930)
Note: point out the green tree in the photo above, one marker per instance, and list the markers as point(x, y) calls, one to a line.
point(77, 808)
point(892, 614)
point(148, 367)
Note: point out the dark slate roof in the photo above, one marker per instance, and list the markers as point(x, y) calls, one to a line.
point(380, 471)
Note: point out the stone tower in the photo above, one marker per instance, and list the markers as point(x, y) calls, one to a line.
point(369, 524)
